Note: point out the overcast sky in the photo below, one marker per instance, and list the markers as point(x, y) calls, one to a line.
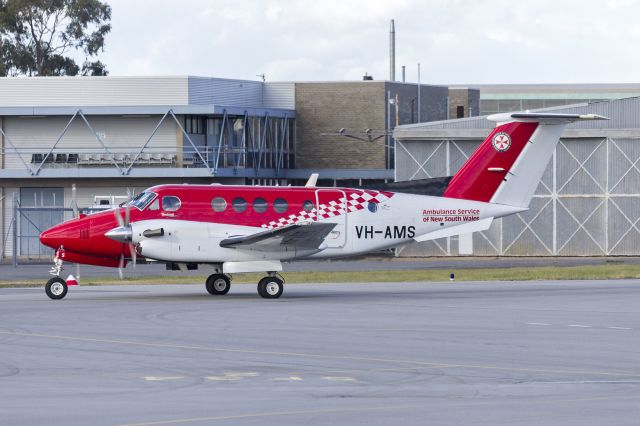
point(475, 41)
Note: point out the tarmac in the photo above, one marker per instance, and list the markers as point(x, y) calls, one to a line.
point(40, 270)
point(517, 353)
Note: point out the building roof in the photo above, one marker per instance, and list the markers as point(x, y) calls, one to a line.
point(623, 114)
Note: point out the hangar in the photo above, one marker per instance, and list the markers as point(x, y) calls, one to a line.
point(587, 202)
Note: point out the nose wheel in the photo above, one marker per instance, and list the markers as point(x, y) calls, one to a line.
point(271, 287)
point(56, 288)
point(218, 284)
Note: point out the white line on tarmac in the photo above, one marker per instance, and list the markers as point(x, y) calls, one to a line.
point(537, 323)
point(338, 378)
point(620, 328)
point(579, 325)
point(161, 378)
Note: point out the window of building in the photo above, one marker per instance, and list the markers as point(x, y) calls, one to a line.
point(260, 205)
point(194, 124)
point(239, 204)
point(460, 111)
point(170, 203)
point(219, 204)
point(307, 206)
point(280, 205)
point(31, 222)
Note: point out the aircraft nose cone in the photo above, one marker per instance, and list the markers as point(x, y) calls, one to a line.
point(121, 234)
point(50, 238)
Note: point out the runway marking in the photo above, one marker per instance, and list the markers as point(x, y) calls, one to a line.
point(287, 379)
point(620, 328)
point(537, 323)
point(338, 378)
point(161, 378)
point(579, 325)
point(232, 376)
point(424, 364)
point(272, 414)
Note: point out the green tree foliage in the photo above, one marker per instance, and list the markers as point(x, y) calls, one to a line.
point(37, 37)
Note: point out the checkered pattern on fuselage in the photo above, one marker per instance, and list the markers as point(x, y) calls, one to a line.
point(354, 201)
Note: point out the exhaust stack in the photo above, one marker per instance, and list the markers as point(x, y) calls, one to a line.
point(392, 52)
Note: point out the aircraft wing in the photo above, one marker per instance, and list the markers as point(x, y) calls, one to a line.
point(293, 237)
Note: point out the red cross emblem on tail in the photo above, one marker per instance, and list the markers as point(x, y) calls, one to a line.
point(501, 142)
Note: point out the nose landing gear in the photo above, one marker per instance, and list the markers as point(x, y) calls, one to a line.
point(56, 288)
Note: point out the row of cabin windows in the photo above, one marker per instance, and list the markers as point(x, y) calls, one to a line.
point(260, 205)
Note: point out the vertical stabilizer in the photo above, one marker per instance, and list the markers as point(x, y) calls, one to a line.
point(507, 166)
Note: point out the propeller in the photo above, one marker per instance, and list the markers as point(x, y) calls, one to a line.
point(124, 234)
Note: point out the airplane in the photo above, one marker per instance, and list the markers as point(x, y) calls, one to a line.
point(240, 229)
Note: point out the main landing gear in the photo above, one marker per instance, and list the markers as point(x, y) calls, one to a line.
point(270, 287)
point(218, 284)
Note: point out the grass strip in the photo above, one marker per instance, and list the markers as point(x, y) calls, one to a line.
point(589, 272)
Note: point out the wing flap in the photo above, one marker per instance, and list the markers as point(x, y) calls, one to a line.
point(298, 236)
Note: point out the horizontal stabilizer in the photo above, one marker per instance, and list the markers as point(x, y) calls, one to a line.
point(479, 225)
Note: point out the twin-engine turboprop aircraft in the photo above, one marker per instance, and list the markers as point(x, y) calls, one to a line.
point(236, 229)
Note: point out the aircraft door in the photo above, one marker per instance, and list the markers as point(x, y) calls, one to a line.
point(332, 208)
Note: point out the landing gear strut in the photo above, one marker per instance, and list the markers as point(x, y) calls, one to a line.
point(218, 284)
point(271, 287)
point(56, 288)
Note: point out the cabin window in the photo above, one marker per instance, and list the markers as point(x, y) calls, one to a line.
point(373, 207)
point(142, 200)
point(219, 204)
point(170, 203)
point(307, 206)
point(239, 204)
point(280, 205)
point(155, 205)
point(260, 205)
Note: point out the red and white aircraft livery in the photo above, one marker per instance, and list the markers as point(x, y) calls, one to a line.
point(236, 229)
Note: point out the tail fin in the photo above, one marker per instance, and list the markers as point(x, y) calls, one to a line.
point(507, 166)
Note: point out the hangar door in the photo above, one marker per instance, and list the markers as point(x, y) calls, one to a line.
point(40, 208)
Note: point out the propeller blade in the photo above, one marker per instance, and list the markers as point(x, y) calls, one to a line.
point(116, 212)
point(134, 254)
point(121, 266)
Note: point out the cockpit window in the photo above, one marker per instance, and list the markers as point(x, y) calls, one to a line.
point(170, 203)
point(141, 200)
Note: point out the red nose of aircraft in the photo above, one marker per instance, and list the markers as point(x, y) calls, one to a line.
point(84, 235)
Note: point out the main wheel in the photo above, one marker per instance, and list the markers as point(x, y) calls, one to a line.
point(270, 287)
point(218, 284)
point(56, 288)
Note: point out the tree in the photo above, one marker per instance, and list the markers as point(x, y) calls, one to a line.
point(37, 37)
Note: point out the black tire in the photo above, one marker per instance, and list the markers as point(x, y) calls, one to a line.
point(218, 284)
point(56, 288)
point(270, 287)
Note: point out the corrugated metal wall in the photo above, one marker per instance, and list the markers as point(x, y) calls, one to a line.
point(219, 91)
point(586, 204)
point(93, 91)
point(279, 95)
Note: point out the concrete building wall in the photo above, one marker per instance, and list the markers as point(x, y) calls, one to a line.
point(327, 107)
point(469, 99)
